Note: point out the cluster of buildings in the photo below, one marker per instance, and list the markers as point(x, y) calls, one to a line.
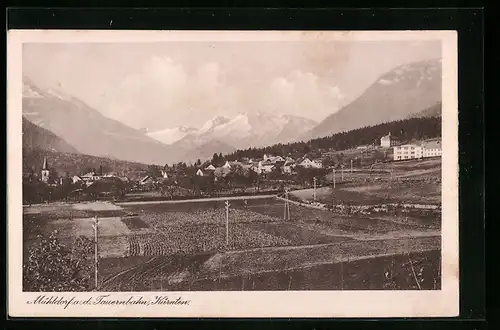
point(87, 179)
point(90, 178)
point(418, 151)
point(265, 165)
point(425, 149)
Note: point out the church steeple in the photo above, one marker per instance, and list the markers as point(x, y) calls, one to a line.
point(45, 171)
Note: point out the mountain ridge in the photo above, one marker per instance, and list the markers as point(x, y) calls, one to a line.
point(395, 95)
point(249, 129)
point(88, 130)
point(38, 138)
point(433, 111)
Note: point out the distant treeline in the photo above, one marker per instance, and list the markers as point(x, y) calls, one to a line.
point(405, 130)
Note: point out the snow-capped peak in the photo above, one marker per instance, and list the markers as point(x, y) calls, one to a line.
point(211, 124)
point(240, 131)
point(171, 135)
point(186, 129)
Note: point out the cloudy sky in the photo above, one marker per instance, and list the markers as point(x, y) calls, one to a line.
point(161, 85)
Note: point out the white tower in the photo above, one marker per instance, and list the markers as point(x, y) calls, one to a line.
point(45, 171)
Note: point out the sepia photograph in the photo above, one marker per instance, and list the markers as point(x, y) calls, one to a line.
point(178, 165)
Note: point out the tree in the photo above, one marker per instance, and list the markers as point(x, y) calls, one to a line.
point(254, 178)
point(215, 159)
point(53, 267)
point(118, 189)
point(53, 176)
point(154, 171)
point(198, 162)
point(275, 174)
point(66, 187)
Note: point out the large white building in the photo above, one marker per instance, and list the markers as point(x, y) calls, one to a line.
point(432, 149)
point(388, 141)
point(418, 151)
point(408, 151)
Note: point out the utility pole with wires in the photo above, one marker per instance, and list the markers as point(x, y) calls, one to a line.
point(351, 167)
point(95, 226)
point(314, 189)
point(342, 168)
point(333, 192)
point(286, 211)
point(227, 223)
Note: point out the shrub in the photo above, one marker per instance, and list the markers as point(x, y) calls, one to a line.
point(52, 267)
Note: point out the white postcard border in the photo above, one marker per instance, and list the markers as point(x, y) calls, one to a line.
point(442, 303)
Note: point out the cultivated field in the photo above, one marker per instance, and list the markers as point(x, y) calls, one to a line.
point(183, 246)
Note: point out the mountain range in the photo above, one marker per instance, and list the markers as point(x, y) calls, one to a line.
point(254, 129)
point(54, 121)
point(87, 130)
point(395, 95)
point(223, 134)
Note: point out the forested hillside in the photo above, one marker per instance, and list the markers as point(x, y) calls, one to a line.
point(405, 130)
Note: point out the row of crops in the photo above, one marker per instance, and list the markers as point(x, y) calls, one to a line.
point(207, 216)
point(201, 238)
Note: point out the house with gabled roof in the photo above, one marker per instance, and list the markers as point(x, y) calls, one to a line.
point(317, 163)
point(288, 166)
point(308, 163)
point(148, 179)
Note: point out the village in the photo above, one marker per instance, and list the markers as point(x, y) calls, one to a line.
point(221, 177)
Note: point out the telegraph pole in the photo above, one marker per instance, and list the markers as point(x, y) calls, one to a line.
point(96, 251)
point(333, 192)
point(286, 215)
point(227, 223)
point(351, 167)
point(287, 206)
point(314, 190)
point(286, 202)
point(342, 167)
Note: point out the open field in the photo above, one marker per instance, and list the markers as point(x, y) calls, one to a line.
point(413, 181)
point(182, 246)
point(354, 265)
